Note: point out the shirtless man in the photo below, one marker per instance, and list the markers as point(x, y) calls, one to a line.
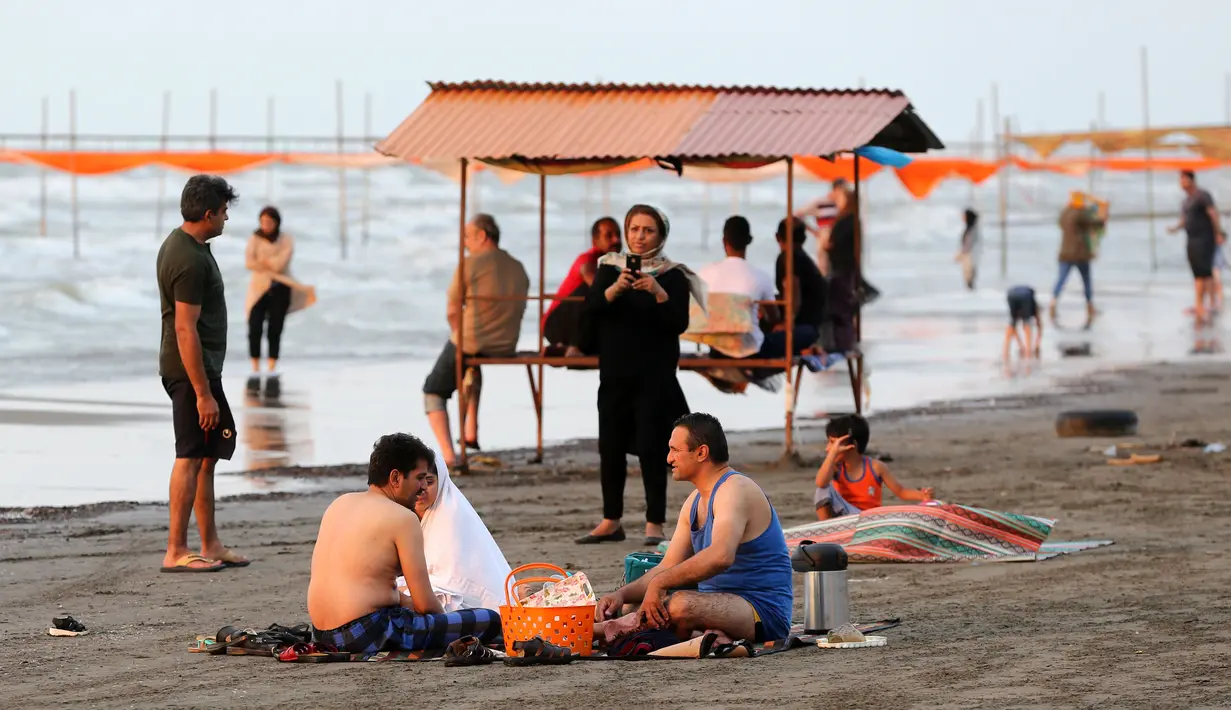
point(368, 539)
point(728, 542)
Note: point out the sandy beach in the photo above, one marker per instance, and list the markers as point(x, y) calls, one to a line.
point(1143, 623)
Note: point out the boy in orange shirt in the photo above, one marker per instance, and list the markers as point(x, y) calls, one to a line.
point(839, 491)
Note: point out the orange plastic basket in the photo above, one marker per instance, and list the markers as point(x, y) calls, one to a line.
point(569, 626)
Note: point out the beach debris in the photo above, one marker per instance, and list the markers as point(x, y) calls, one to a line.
point(1193, 444)
point(1215, 448)
point(66, 626)
point(1135, 459)
point(1075, 350)
point(1096, 423)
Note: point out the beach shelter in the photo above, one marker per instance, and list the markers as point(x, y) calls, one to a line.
point(563, 129)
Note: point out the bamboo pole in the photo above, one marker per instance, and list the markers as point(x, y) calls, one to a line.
point(542, 293)
point(788, 285)
point(1000, 154)
point(269, 148)
point(162, 172)
point(72, 143)
point(978, 144)
point(705, 214)
point(1006, 151)
point(1145, 121)
point(459, 368)
point(367, 172)
point(341, 177)
point(213, 119)
point(42, 173)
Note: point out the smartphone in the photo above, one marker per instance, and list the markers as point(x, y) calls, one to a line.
point(633, 263)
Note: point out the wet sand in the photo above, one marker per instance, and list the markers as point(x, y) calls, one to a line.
point(1144, 623)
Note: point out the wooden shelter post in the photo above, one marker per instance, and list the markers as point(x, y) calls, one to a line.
point(788, 285)
point(460, 373)
point(537, 392)
point(858, 304)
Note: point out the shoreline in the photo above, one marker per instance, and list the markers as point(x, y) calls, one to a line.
point(560, 459)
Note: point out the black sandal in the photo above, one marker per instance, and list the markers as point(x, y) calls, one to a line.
point(468, 651)
point(536, 652)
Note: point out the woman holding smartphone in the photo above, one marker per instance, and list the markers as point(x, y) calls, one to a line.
point(634, 315)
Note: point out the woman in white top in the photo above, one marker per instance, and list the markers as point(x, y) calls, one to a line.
point(968, 252)
point(270, 295)
point(466, 567)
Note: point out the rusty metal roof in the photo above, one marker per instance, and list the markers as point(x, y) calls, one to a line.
point(561, 123)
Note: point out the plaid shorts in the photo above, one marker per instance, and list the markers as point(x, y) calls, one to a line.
point(396, 628)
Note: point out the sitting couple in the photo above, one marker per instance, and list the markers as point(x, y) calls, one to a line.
point(411, 523)
point(728, 542)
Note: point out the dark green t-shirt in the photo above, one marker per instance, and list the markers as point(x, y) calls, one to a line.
point(188, 273)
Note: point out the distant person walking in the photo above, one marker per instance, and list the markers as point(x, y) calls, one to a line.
point(968, 250)
point(1077, 225)
point(190, 356)
point(1199, 220)
point(270, 296)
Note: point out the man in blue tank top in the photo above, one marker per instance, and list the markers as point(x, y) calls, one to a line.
point(728, 542)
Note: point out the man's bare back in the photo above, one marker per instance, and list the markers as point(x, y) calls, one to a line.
point(356, 558)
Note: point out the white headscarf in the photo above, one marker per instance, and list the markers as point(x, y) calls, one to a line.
point(466, 567)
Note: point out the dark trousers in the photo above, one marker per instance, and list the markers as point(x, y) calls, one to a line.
point(273, 306)
point(842, 306)
point(636, 417)
point(563, 326)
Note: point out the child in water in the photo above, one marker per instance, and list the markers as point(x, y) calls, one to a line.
point(1023, 308)
point(849, 482)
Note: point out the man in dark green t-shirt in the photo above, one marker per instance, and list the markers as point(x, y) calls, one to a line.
point(190, 355)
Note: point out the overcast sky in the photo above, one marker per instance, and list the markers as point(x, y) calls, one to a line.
point(1050, 58)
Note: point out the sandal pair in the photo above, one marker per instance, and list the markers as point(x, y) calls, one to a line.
point(536, 652)
point(468, 651)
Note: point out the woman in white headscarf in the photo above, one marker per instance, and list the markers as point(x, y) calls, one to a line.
point(466, 567)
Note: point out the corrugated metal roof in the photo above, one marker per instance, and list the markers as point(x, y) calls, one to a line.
point(498, 121)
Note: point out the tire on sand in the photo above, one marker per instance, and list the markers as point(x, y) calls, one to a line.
point(1096, 422)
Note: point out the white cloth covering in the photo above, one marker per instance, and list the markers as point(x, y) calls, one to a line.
point(466, 567)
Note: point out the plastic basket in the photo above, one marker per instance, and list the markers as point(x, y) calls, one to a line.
point(569, 626)
point(636, 564)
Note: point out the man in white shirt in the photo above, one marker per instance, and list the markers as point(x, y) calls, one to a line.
point(735, 275)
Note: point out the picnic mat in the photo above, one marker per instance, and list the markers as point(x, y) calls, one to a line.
point(939, 532)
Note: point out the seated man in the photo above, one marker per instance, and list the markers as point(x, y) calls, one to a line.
point(840, 492)
point(496, 288)
point(728, 542)
point(562, 321)
point(365, 541)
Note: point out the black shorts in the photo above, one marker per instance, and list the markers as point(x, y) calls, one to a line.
point(1201, 257)
point(1022, 304)
point(191, 441)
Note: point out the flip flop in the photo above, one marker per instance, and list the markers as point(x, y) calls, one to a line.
point(181, 565)
point(230, 559)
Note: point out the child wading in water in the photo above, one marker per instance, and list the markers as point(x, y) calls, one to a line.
point(1023, 308)
point(849, 482)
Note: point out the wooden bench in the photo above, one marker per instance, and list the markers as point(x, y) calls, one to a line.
point(688, 361)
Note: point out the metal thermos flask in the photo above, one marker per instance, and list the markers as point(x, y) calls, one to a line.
point(826, 601)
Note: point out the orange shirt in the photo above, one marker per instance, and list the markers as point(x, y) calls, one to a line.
point(862, 491)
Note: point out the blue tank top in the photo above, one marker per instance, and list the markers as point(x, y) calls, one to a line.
point(762, 570)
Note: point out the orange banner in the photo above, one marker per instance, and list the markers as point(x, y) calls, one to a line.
point(920, 177)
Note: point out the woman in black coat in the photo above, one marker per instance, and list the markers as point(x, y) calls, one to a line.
point(634, 318)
